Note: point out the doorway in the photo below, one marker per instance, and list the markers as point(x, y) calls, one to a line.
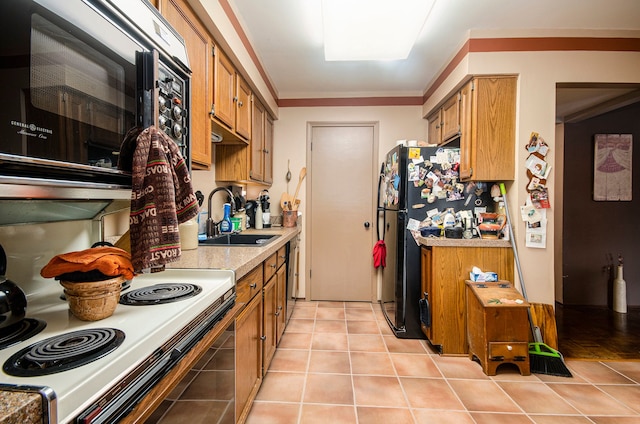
point(341, 160)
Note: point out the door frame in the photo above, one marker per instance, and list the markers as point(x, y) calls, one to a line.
point(375, 289)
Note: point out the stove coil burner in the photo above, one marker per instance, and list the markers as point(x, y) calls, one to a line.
point(160, 293)
point(20, 331)
point(63, 352)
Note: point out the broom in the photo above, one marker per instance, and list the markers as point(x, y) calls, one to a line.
point(543, 359)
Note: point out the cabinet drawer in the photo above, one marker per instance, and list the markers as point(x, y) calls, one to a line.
point(270, 266)
point(508, 351)
point(282, 256)
point(249, 285)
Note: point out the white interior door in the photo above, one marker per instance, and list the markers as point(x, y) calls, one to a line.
point(341, 194)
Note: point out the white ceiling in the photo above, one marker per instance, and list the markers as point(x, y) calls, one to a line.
point(286, 35)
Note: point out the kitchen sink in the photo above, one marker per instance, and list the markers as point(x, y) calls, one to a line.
point(243, 240)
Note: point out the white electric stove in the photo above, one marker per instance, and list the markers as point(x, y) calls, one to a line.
point(149, 332)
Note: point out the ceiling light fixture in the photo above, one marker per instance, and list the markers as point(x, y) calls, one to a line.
point(372, 29)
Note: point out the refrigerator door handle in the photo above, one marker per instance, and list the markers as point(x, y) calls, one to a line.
point(379, 207)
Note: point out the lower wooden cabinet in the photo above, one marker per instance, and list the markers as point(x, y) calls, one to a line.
point(270, 307)
point(444, 272)
point(248, 356)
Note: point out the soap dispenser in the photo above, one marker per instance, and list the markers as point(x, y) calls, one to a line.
point(225, 224)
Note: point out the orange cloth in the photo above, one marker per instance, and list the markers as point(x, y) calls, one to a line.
point(111, 261)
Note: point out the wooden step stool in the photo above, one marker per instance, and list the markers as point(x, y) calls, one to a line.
point(497, 326)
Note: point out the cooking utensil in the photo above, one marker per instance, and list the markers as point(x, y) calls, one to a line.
point(288, 176)
point(13, 302)
point(295, 202)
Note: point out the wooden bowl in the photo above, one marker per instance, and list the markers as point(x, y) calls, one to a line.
point(93, 301)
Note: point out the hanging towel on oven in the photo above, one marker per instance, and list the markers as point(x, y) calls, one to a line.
point(161, 197)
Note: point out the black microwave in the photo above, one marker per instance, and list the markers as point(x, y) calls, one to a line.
point(75, 77)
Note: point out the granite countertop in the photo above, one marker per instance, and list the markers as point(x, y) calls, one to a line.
point(475, 242)
point(240, 259)
point(20, 407)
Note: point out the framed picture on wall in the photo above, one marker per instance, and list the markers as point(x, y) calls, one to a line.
point(612, 167)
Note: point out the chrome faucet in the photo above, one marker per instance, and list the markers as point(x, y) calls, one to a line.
point(213, 228)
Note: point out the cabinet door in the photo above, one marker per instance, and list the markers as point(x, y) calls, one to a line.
point(451, 118)
point(224, 90)
point(269, 316)
point(466, 129)
point(248, 354)
point(268, 150)
point(199, 44)
point(281, 302)
point(426, 285)
point(257, 142)
point(435, 128)
point(243, 108)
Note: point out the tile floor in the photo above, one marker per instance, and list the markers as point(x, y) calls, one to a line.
point(338, 362)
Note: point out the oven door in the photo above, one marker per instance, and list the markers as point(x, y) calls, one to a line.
point(69, 88)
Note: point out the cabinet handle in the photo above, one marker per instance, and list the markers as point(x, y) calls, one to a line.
point(277, 313)
point(240, 103)
point(272, 265)
point(265, 151)
point(254, 285)
point(279, 308)
point(263, 338)
point(283, 256)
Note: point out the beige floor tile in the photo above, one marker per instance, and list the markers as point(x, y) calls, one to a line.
point(329, 388)
point(615, 420)
point(295, 341)
point(397, 345)
point(301, 303)
point(270, 413)
point(331, 326)
point(560, 419)
point(330, 313)
point(282, 387)
point(329, 341)
point(301, 325)
point(589, 400)
point(378, 391)
point(304, 313)
point(430, 393)
point(330, 304)
point(483, 395)
point(415, 365)
point(598, 373)
point(326, 361)
point(360, 305)
point(360, 314)
point(431, 416)
point(459, 367)
point(366, 343)
point(537, 398)
point(371, 363)
point(493, 418)
point(290, 360)
point(384, 327)
point(630, 369)
point(362, 327)
point(629, 395)
point(370, 415)
point(325, 414)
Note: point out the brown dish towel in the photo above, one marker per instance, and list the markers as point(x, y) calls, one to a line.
point(110, 261)
point(161, 198)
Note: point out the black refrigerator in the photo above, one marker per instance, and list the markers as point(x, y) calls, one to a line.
point(414, 183)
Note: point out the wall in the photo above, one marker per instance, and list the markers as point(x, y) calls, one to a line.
point(597, 231)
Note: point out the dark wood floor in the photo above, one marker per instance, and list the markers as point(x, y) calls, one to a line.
point(593, 332)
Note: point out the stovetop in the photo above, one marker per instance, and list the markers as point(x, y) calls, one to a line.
point(145, 328)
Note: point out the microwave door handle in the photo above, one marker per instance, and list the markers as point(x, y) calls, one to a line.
point(147, 77)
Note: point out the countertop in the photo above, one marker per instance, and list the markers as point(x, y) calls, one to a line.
point(26, 407)
point(475, 242)
point(240, 259)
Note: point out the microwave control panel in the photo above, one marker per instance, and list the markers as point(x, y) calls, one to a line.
point(173, 108)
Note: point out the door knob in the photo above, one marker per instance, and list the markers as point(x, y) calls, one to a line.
point(366, 224)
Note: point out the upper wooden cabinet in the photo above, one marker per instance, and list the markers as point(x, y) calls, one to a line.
point(482, 115)
point(488, 128)
point(251, 164)
point(444, 122)
point(231, 107)
point(199, 44)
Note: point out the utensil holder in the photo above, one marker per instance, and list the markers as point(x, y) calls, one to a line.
point(289, 218)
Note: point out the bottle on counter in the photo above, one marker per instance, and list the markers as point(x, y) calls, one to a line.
point(225, 224)
point(258, 217)
point(266, 216)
